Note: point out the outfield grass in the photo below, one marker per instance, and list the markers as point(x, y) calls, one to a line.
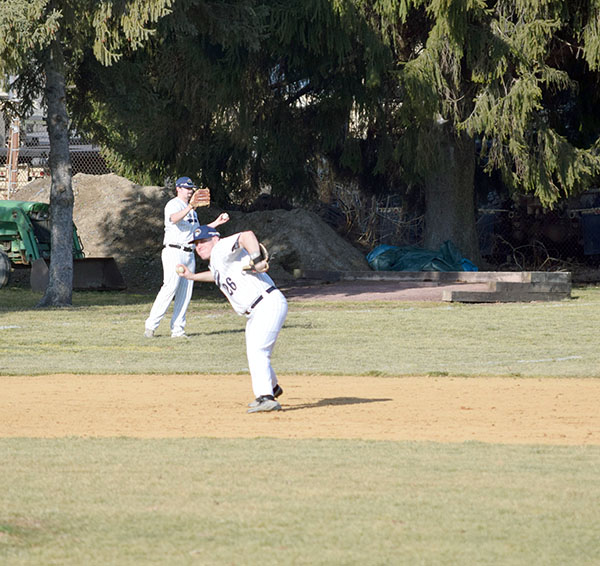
point(131, 502)
point(103, 333)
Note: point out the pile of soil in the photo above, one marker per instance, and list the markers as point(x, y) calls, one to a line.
point(118, 218)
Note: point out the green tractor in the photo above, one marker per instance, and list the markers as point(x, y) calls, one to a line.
point(25, 243)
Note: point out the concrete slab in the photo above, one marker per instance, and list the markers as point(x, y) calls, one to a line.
point(467, 286)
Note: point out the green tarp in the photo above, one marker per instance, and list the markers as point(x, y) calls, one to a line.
point(410, 258)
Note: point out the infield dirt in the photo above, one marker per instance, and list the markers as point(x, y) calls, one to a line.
point(439, 409)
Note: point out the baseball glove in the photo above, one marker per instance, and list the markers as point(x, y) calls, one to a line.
point(260, 263)
point(201, 197)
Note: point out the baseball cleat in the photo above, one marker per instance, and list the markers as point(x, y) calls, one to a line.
point(277, 391)
point(265, 403)
point(148, 333)
point(182, 335)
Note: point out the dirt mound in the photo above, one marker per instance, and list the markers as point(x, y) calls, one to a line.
point(118, 218)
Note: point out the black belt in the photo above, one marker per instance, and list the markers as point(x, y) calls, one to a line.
point(184, 248)
point(260, 298)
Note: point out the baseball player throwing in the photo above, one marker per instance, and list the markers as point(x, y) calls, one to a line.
point(180, 222)
point(238, 266)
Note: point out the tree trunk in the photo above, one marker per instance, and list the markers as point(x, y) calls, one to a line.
point(449, 194)
point(60, 286)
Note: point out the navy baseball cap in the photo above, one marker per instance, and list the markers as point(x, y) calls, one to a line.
point(203, 233)
point(185, 182)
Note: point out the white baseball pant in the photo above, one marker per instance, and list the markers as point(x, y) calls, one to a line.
point(262, 329)
point(175, 287)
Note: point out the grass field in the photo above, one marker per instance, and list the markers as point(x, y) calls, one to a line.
point(262, 501)
point(271, 501)
point(103, 333)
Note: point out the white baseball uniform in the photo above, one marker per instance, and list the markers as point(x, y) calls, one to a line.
point(255, 296)
point(176, 249)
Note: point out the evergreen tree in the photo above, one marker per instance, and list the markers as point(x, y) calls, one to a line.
point(395, 92)
point(245, 104)
point(42, 42)
point(495, 72)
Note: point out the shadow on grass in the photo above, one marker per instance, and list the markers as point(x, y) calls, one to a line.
point(242, 330)
point(218, 332)
point(335, 401)
point(17, 298)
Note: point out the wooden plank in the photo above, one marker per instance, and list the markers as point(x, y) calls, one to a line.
point(438, 276)
point(551, 287)
point(502, 296)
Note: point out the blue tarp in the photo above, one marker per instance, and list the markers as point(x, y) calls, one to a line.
point(411, 258)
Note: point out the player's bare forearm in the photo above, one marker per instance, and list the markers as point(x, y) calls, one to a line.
point(202, 277)
point(180, 214)
point(249, 242)
point(259, 256)
point(221, 219)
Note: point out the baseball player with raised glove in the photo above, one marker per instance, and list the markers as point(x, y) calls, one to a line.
point(180, 222)
point(238, 266)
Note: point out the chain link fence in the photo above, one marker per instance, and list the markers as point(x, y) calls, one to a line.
point(32, 164)
point(25, 151)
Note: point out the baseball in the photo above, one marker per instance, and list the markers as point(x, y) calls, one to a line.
point(180, 269)
point(225, 216)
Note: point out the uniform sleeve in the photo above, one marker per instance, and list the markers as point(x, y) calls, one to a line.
point(230, 248)
point(171, 207)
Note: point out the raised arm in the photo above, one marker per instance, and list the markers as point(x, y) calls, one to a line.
point(249, 242)
point(260, 260)
point(180, 214)
point(221, 219)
